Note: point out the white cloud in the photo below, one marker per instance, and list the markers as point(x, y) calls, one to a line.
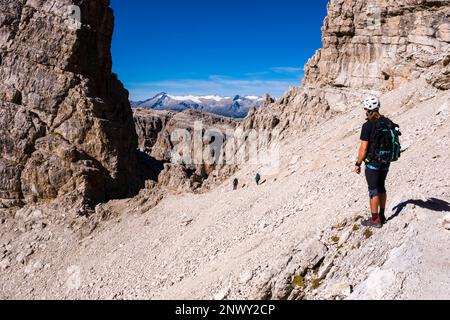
point(214, 85)
point(294, 70)
point(257, 74)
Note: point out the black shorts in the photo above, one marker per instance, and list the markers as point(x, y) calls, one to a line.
point(376, 180)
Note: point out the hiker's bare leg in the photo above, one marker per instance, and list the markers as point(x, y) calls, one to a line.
point(375, 204)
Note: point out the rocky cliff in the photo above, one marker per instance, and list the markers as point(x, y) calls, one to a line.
point(369, 46)
point(66, 123)
point(379, 45)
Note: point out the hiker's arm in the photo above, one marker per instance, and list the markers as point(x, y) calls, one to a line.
point(363, 151)
point(361, 155)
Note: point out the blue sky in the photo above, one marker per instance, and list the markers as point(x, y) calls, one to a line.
point(246, 47)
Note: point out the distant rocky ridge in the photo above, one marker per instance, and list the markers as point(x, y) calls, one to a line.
point(155, 129)
point(232, 107)
point(66, 124)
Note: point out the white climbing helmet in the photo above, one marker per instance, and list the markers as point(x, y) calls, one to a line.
point(372, 103)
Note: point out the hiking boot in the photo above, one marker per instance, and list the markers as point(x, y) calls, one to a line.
point(383, 219)
point(372, 224)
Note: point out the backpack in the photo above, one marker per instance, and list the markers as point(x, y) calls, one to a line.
point(385, 142)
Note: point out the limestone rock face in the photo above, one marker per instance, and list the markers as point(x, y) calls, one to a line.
point(156, 131)
point(378, 45)
point(66, 123)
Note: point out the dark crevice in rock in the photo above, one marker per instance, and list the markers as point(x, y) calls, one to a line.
point(446, 61)
point(17, 97)
point(342, 34)
point(426, 6)
point(149, 168)
point(318, 265)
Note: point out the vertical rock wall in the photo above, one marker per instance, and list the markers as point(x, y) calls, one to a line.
point(65, 121)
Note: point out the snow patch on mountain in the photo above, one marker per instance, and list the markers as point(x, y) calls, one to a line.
point(232, 107)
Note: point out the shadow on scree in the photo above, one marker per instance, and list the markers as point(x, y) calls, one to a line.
point(431, 204)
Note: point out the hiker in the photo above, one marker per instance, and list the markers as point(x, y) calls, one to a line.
point(235, 184)
point(379, 147)
point(257, 179)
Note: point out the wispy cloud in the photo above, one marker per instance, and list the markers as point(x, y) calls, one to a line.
point(220, 85)
point(285, 70)
point(277, 70)
point(257, 74)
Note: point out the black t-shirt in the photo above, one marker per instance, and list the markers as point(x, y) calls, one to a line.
point(367, 129)
point(366, 134)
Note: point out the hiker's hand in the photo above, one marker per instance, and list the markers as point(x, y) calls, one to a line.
point(358, 170)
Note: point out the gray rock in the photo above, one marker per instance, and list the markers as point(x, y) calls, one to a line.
point(325, 268)
point(66, 126)
point(345, 237)
point(33, 267)
point(245, 277)
point(5, 263)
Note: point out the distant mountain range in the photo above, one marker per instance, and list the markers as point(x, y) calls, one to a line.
point(232, 107)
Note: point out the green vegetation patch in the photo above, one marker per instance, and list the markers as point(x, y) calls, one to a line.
point(335, 239)
point(298, 282)
point(315, 283)
point(368, 233)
